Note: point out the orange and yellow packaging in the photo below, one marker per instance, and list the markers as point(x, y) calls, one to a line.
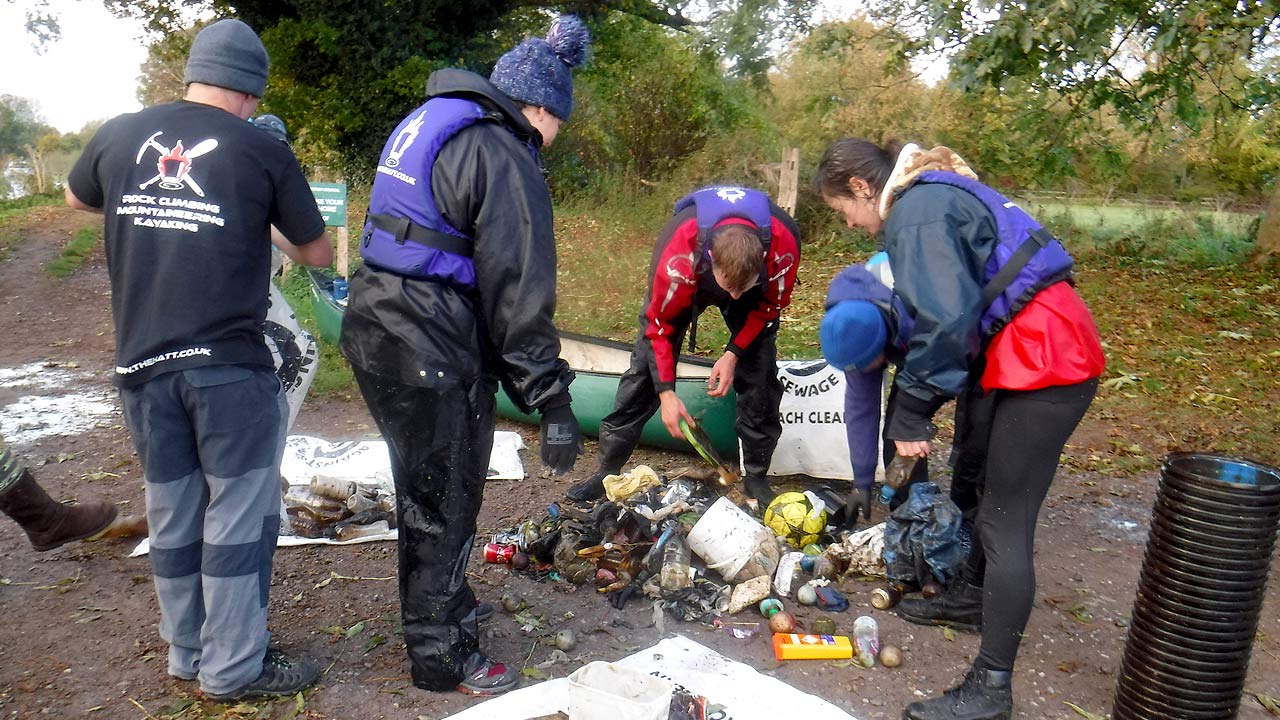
point(791, 646)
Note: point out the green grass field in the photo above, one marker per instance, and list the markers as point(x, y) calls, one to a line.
point(1129, 218)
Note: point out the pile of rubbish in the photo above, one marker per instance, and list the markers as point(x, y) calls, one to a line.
point(687, 547)
point(338, 509)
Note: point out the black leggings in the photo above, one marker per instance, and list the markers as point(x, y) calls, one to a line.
point(1028, 432)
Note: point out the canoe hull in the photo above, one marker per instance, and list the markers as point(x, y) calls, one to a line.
point(598, 364)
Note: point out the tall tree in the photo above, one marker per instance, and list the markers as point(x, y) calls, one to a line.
point(20, 124)
point(1141, 58)
point(344, 73)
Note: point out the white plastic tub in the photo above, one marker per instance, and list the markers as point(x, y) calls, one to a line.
point(604, 691)
point(733, 543)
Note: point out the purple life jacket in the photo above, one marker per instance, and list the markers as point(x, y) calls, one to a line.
point(713, 204)
point(718, 202)
point(404, 231)
point(1027, 258)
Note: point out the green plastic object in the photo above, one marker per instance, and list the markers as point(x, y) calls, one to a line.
point(593, 391)
point(327, 310)
point(593, 397)
point(698, 439)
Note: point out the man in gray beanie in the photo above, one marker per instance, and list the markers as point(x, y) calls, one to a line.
point(456, 294)
point(189, 192)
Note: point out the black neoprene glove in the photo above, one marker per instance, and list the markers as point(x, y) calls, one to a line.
point(561, 438)
point(859, 502)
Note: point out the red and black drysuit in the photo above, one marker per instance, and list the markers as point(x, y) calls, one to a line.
point(681, 286)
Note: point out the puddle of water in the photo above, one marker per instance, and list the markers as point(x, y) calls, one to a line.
point(35, 375)
point(35, 417)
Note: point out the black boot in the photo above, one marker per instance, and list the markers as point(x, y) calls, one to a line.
point(47, 522)
point(590, 489)
point(757, 486)
point(983, 695)
point(960, 607)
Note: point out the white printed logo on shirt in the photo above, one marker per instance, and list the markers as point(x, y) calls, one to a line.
point(174, 164)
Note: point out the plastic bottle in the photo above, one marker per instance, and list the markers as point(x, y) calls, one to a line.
point(340, 289)
point(886, 494)
point(866, 640)
point(676, 574)
point(352, 532)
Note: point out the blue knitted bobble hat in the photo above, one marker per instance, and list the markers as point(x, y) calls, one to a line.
point(538, 71)
point(853, 333)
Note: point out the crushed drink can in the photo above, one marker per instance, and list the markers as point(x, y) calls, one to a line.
point(498, 554)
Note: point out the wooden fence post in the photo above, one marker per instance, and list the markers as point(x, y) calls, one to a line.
point(343, 250)
point(789, 180)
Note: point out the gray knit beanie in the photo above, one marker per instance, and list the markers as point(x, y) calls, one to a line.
point(230, 55)
point(537, 71)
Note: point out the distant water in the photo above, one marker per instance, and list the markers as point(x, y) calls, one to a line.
point(14, 184)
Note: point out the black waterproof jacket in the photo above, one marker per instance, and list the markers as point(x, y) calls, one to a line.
point(489, 184)
point(938, 239)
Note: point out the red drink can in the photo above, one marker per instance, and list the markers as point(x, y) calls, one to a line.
point(496, 553)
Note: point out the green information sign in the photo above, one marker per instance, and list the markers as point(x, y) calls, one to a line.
point(331, 198)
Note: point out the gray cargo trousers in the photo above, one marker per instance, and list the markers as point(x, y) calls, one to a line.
point(210, 441)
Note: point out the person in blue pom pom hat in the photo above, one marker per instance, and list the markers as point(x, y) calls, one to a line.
point(456, 294)
point(865, 328)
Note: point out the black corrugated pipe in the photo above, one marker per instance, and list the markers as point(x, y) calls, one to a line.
point(1213, 530)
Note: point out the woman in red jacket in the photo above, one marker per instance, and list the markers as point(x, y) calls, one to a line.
point(996, 314)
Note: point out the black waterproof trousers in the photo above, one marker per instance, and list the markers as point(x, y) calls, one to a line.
point(440, 441)
point(755, 381)
point(1028, 431)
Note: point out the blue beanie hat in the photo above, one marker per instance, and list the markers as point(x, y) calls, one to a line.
point(853, 333)
point(537, 71)
point(228, 54)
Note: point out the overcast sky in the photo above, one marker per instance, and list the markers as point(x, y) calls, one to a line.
point(92, 72)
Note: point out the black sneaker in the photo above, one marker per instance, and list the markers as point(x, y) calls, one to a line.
point(484, 611)
point(281, 676)
point(960, 607)
point(590, 489)
point(482, 676)
point(983, 695)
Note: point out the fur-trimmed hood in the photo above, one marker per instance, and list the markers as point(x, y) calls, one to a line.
point(912, 161)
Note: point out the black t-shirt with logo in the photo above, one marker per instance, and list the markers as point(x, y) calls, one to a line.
point(189, 192)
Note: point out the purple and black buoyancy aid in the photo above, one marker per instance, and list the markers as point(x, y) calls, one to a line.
point(405, 232)
point(1026, 259)
point(719, 202)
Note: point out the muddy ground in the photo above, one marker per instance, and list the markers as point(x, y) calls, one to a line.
point(78, 633)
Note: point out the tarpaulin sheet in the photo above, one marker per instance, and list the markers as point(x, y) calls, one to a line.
point(368, 463)
point(744, 693)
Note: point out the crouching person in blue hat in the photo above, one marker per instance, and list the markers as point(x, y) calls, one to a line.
point(456, 294)
point(865, 328)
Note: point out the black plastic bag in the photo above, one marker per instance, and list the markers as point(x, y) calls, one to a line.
point(922, 538)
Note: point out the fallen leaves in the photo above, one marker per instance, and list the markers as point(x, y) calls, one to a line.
point(1268, 703)
point(352, 578)
point(1084, 713)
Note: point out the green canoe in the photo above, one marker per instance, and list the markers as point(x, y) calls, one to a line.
point(599, 364)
